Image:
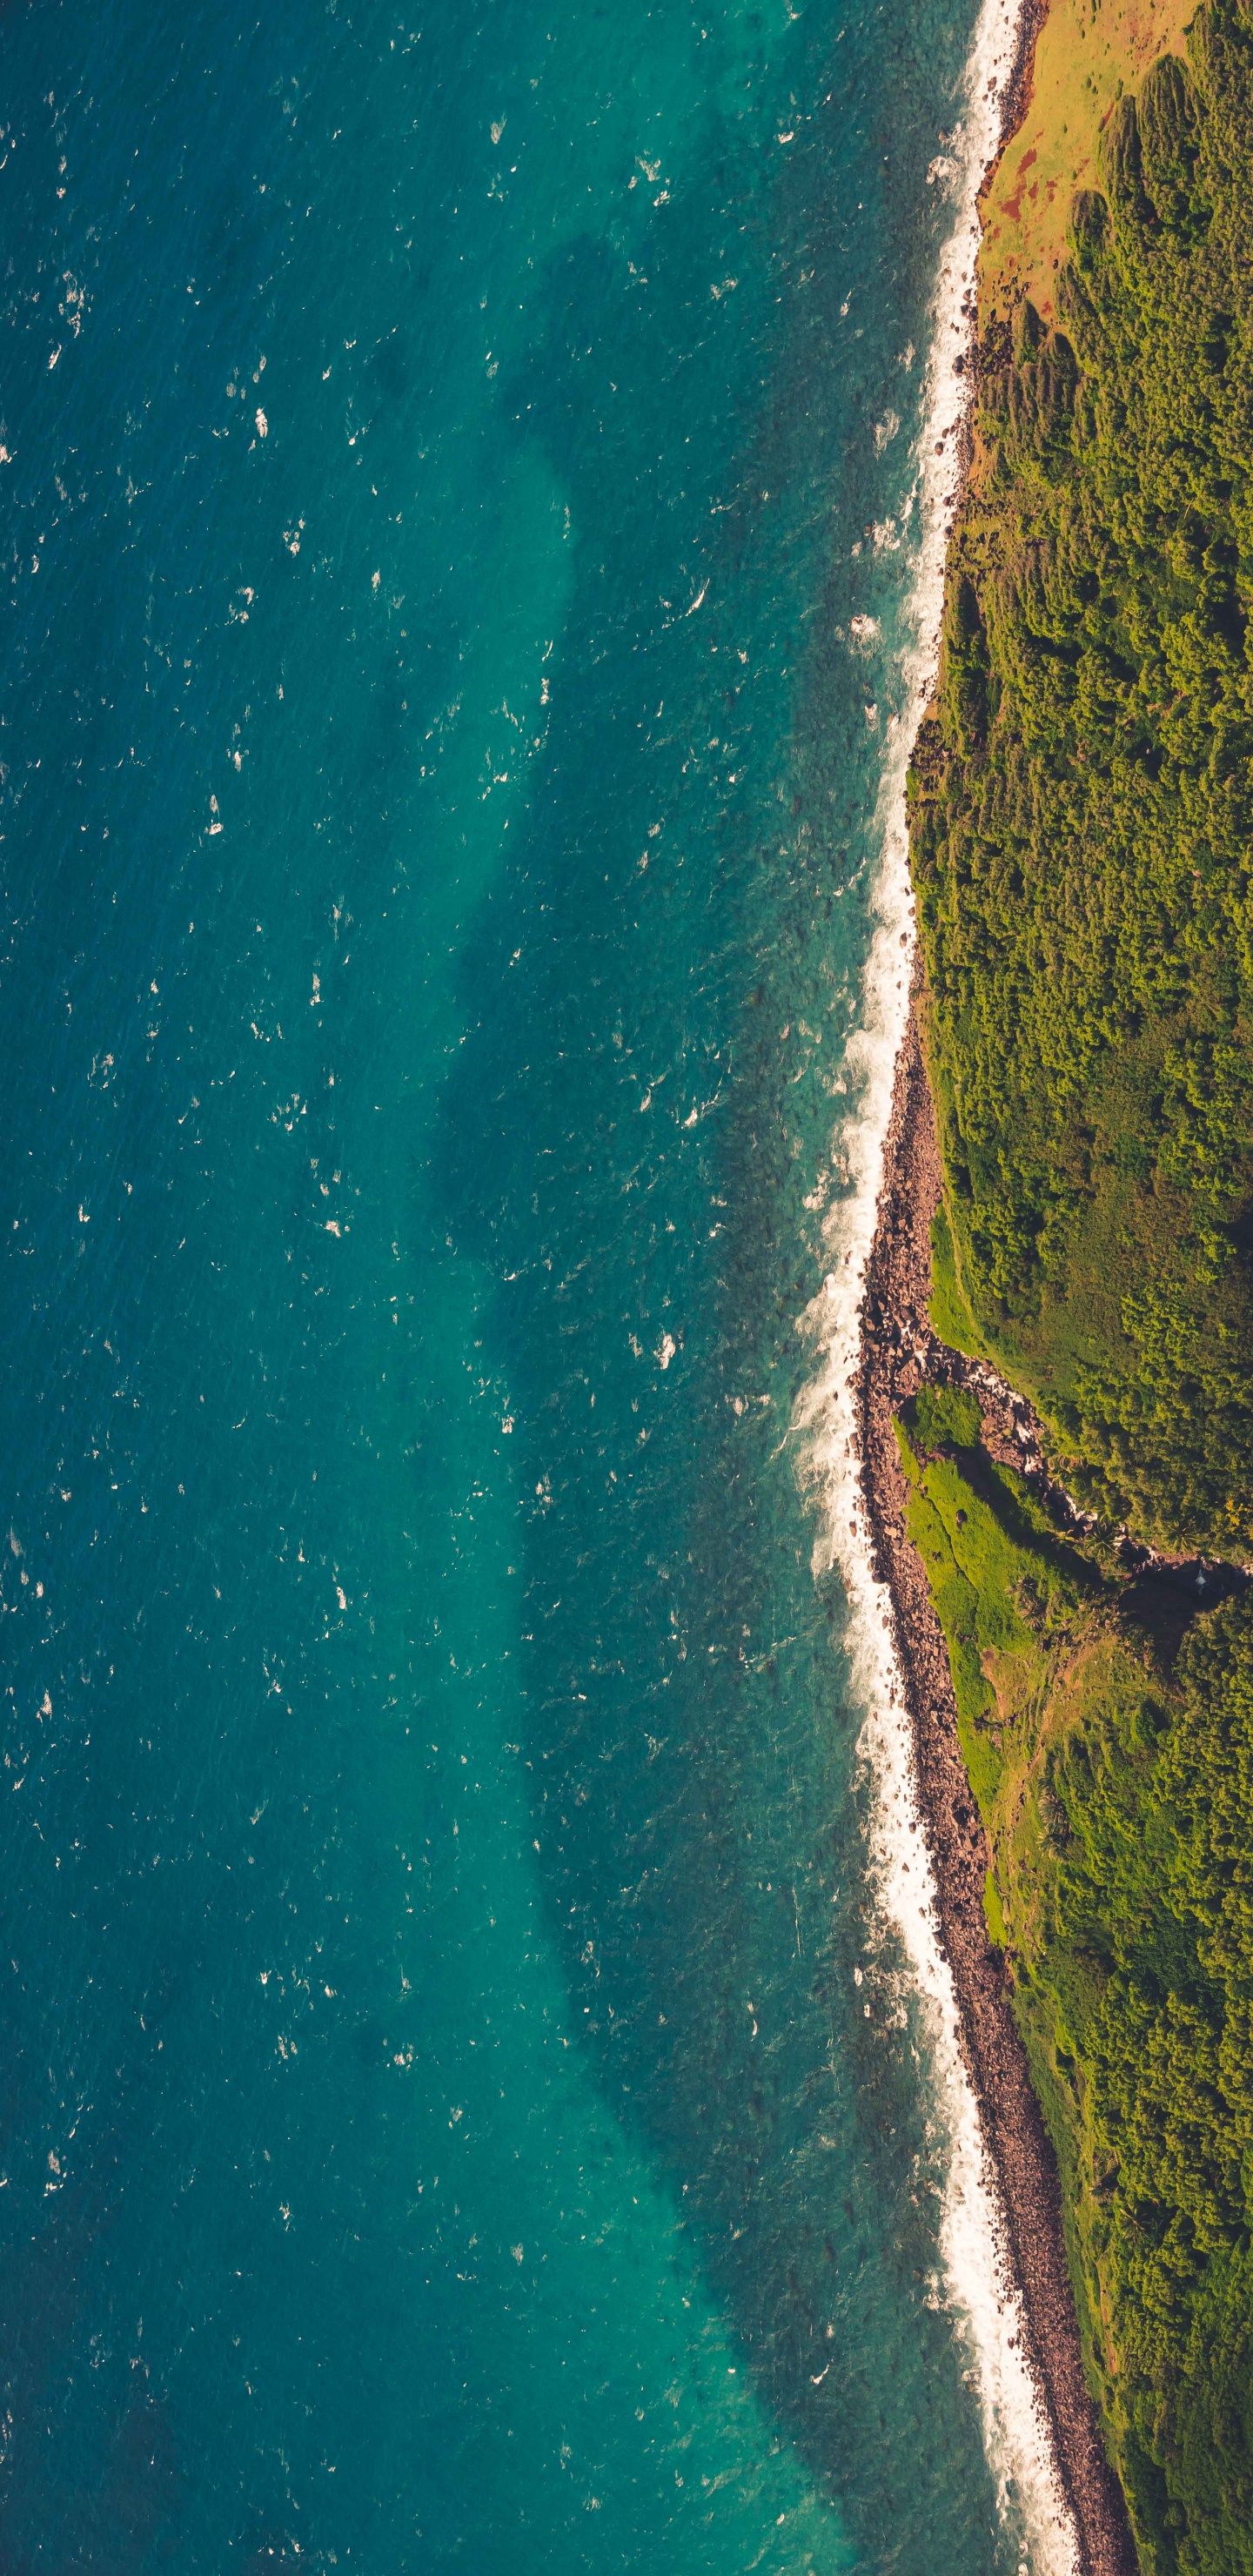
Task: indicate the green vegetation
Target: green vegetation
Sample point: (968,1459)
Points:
(1083,827)
(945,1417)
(950,1312)
(1117,1788)
(1082,842)
(1086,53)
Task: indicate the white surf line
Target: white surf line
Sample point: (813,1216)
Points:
(978,2285)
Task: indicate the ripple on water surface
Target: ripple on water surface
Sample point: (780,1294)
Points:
(459,481)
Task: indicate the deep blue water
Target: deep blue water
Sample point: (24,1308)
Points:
(441,2129)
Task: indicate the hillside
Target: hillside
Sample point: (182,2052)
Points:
(1108,1737)
(1082,847)
(1082,817)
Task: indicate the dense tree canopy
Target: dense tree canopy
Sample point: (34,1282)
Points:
(1082,839)
(1083,823)
(1155,1896)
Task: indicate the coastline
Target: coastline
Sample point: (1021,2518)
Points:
(894,1333)
(1070,1696)
(1019,2398)
(1016,95)
(894,1324)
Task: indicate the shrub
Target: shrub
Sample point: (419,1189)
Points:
(944,1417)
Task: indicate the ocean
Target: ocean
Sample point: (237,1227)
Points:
(468,2099)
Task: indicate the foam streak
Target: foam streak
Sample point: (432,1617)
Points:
(978,2287)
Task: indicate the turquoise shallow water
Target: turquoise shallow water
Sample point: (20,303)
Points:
(441,2126)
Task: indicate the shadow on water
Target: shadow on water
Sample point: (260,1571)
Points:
(631,1142)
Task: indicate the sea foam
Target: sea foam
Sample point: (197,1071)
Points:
(978,2286)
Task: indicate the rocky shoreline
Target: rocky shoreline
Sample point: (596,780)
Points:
(1017,95)
(898,1348)
(897,1342)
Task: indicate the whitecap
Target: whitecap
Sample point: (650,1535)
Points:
(977,2284)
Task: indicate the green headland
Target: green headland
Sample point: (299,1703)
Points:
(1082,841)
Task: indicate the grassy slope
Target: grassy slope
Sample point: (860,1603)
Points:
(950,1307)
(1085,57)
(1094,1765)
